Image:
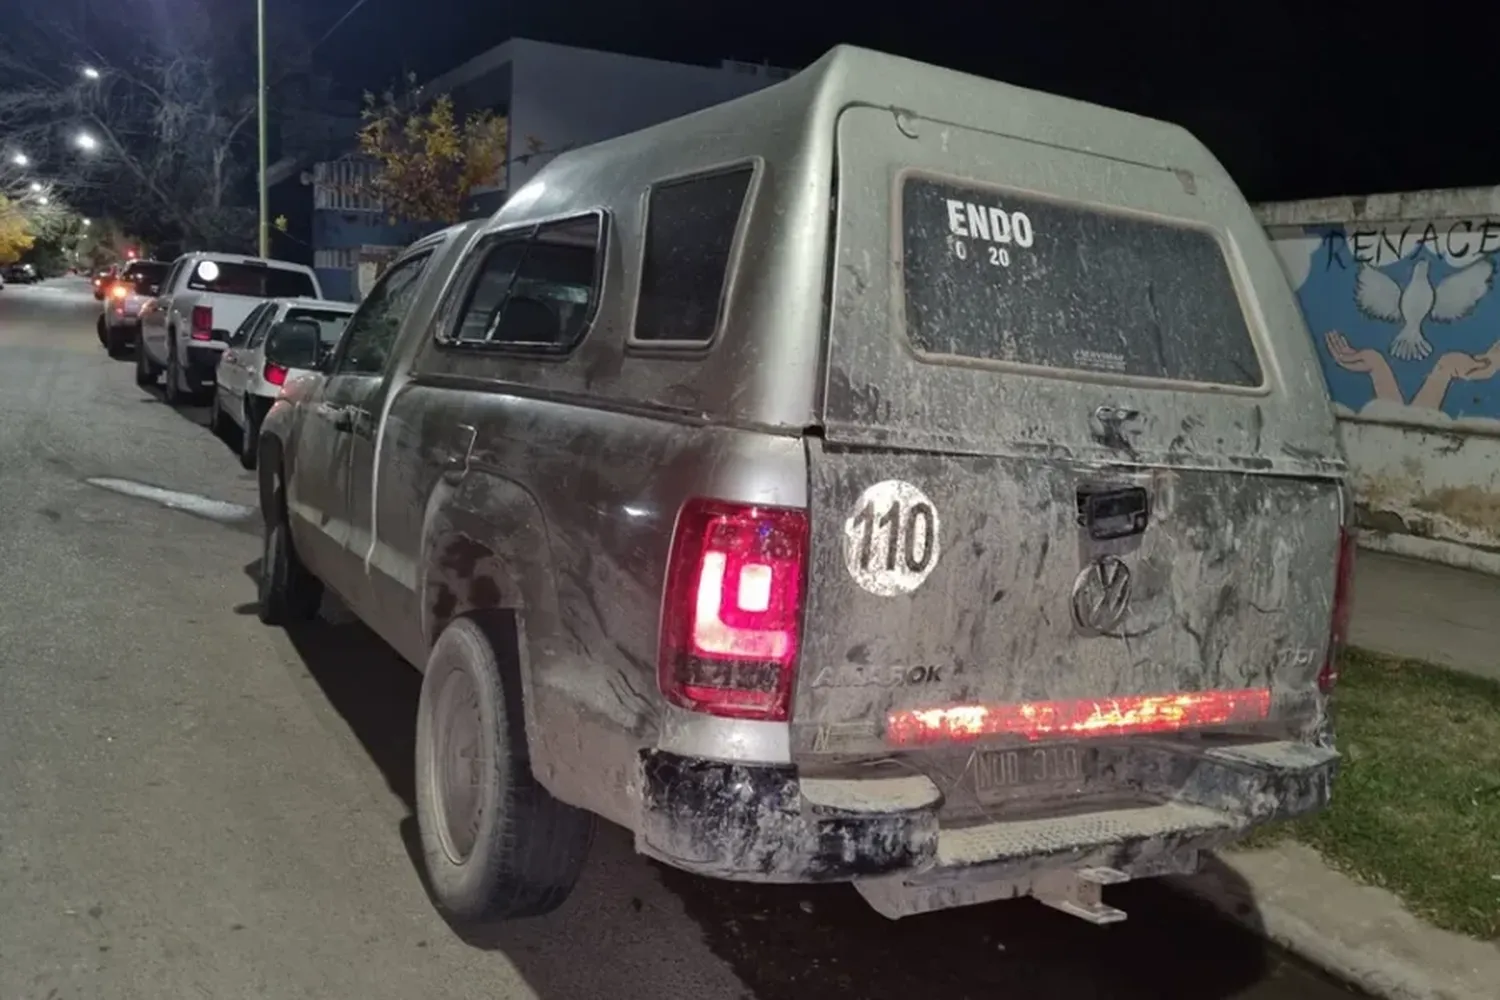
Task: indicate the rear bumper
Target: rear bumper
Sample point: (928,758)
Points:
(203,362)
(763,823)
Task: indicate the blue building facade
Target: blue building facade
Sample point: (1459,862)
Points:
(555,97)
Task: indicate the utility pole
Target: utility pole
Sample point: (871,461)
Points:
(260,110)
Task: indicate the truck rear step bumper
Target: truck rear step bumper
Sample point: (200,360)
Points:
(763,823)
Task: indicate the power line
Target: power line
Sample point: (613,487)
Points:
(337,24)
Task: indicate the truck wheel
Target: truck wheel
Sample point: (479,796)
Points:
(145,374)
(287,591)
(174,374)
(496,844)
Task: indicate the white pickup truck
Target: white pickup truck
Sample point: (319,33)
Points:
(205,296)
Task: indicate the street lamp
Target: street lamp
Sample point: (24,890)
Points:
(88,222)
(20,159)
(260,112)
(90,73)
(86,142)
(43,200)
(35,186)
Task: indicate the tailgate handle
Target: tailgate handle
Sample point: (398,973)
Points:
(1113,511)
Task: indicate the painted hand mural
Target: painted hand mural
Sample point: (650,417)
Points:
(1451,367)
(1406,316)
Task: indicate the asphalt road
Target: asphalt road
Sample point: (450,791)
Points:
(194,805)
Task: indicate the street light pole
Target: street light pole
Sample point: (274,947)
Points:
(260,109)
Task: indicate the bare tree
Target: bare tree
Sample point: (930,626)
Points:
(163,128)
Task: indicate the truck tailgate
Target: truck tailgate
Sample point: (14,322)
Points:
(955,598)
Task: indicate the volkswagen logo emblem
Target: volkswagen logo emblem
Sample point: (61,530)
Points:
(1101,594)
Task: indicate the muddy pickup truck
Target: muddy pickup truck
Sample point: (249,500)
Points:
(891,477)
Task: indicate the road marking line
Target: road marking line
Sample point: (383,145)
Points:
(192,503)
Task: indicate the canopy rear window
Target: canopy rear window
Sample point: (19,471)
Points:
(251,279)
(991,275)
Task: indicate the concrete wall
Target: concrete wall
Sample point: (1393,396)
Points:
(1399,296)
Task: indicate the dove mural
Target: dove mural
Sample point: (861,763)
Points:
(1404,316)
(1450,300)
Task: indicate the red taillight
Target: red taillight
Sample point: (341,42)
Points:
(203,323)
(118,291)
(1087,717)
(732,610)
(1343,609)
(274,374)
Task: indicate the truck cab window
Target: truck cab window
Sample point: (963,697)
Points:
(372,332)
(535,290)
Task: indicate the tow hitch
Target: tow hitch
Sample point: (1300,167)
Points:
(1080,893)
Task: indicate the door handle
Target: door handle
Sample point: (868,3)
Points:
(457,465)
(342,417)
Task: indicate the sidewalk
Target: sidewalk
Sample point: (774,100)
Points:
(1359,933)
(1425,611)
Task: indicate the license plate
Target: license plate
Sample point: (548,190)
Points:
(1001,773)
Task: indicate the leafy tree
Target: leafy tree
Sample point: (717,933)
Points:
(427,162)
(15,232)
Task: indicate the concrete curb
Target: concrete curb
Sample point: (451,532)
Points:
(1360,934)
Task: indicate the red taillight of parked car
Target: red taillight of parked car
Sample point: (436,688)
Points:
(274,374)
(203,323)
(732,609)
(1343,608)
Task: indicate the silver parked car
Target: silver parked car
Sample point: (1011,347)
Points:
(891,476)
(245,383)
(119,322)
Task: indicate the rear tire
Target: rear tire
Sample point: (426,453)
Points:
(287,591)
(216,417)
(250,432)
(174,392)
(495,843)
(145,373)
(103,332)
(114,342)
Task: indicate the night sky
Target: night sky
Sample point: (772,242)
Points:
(1298,99)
